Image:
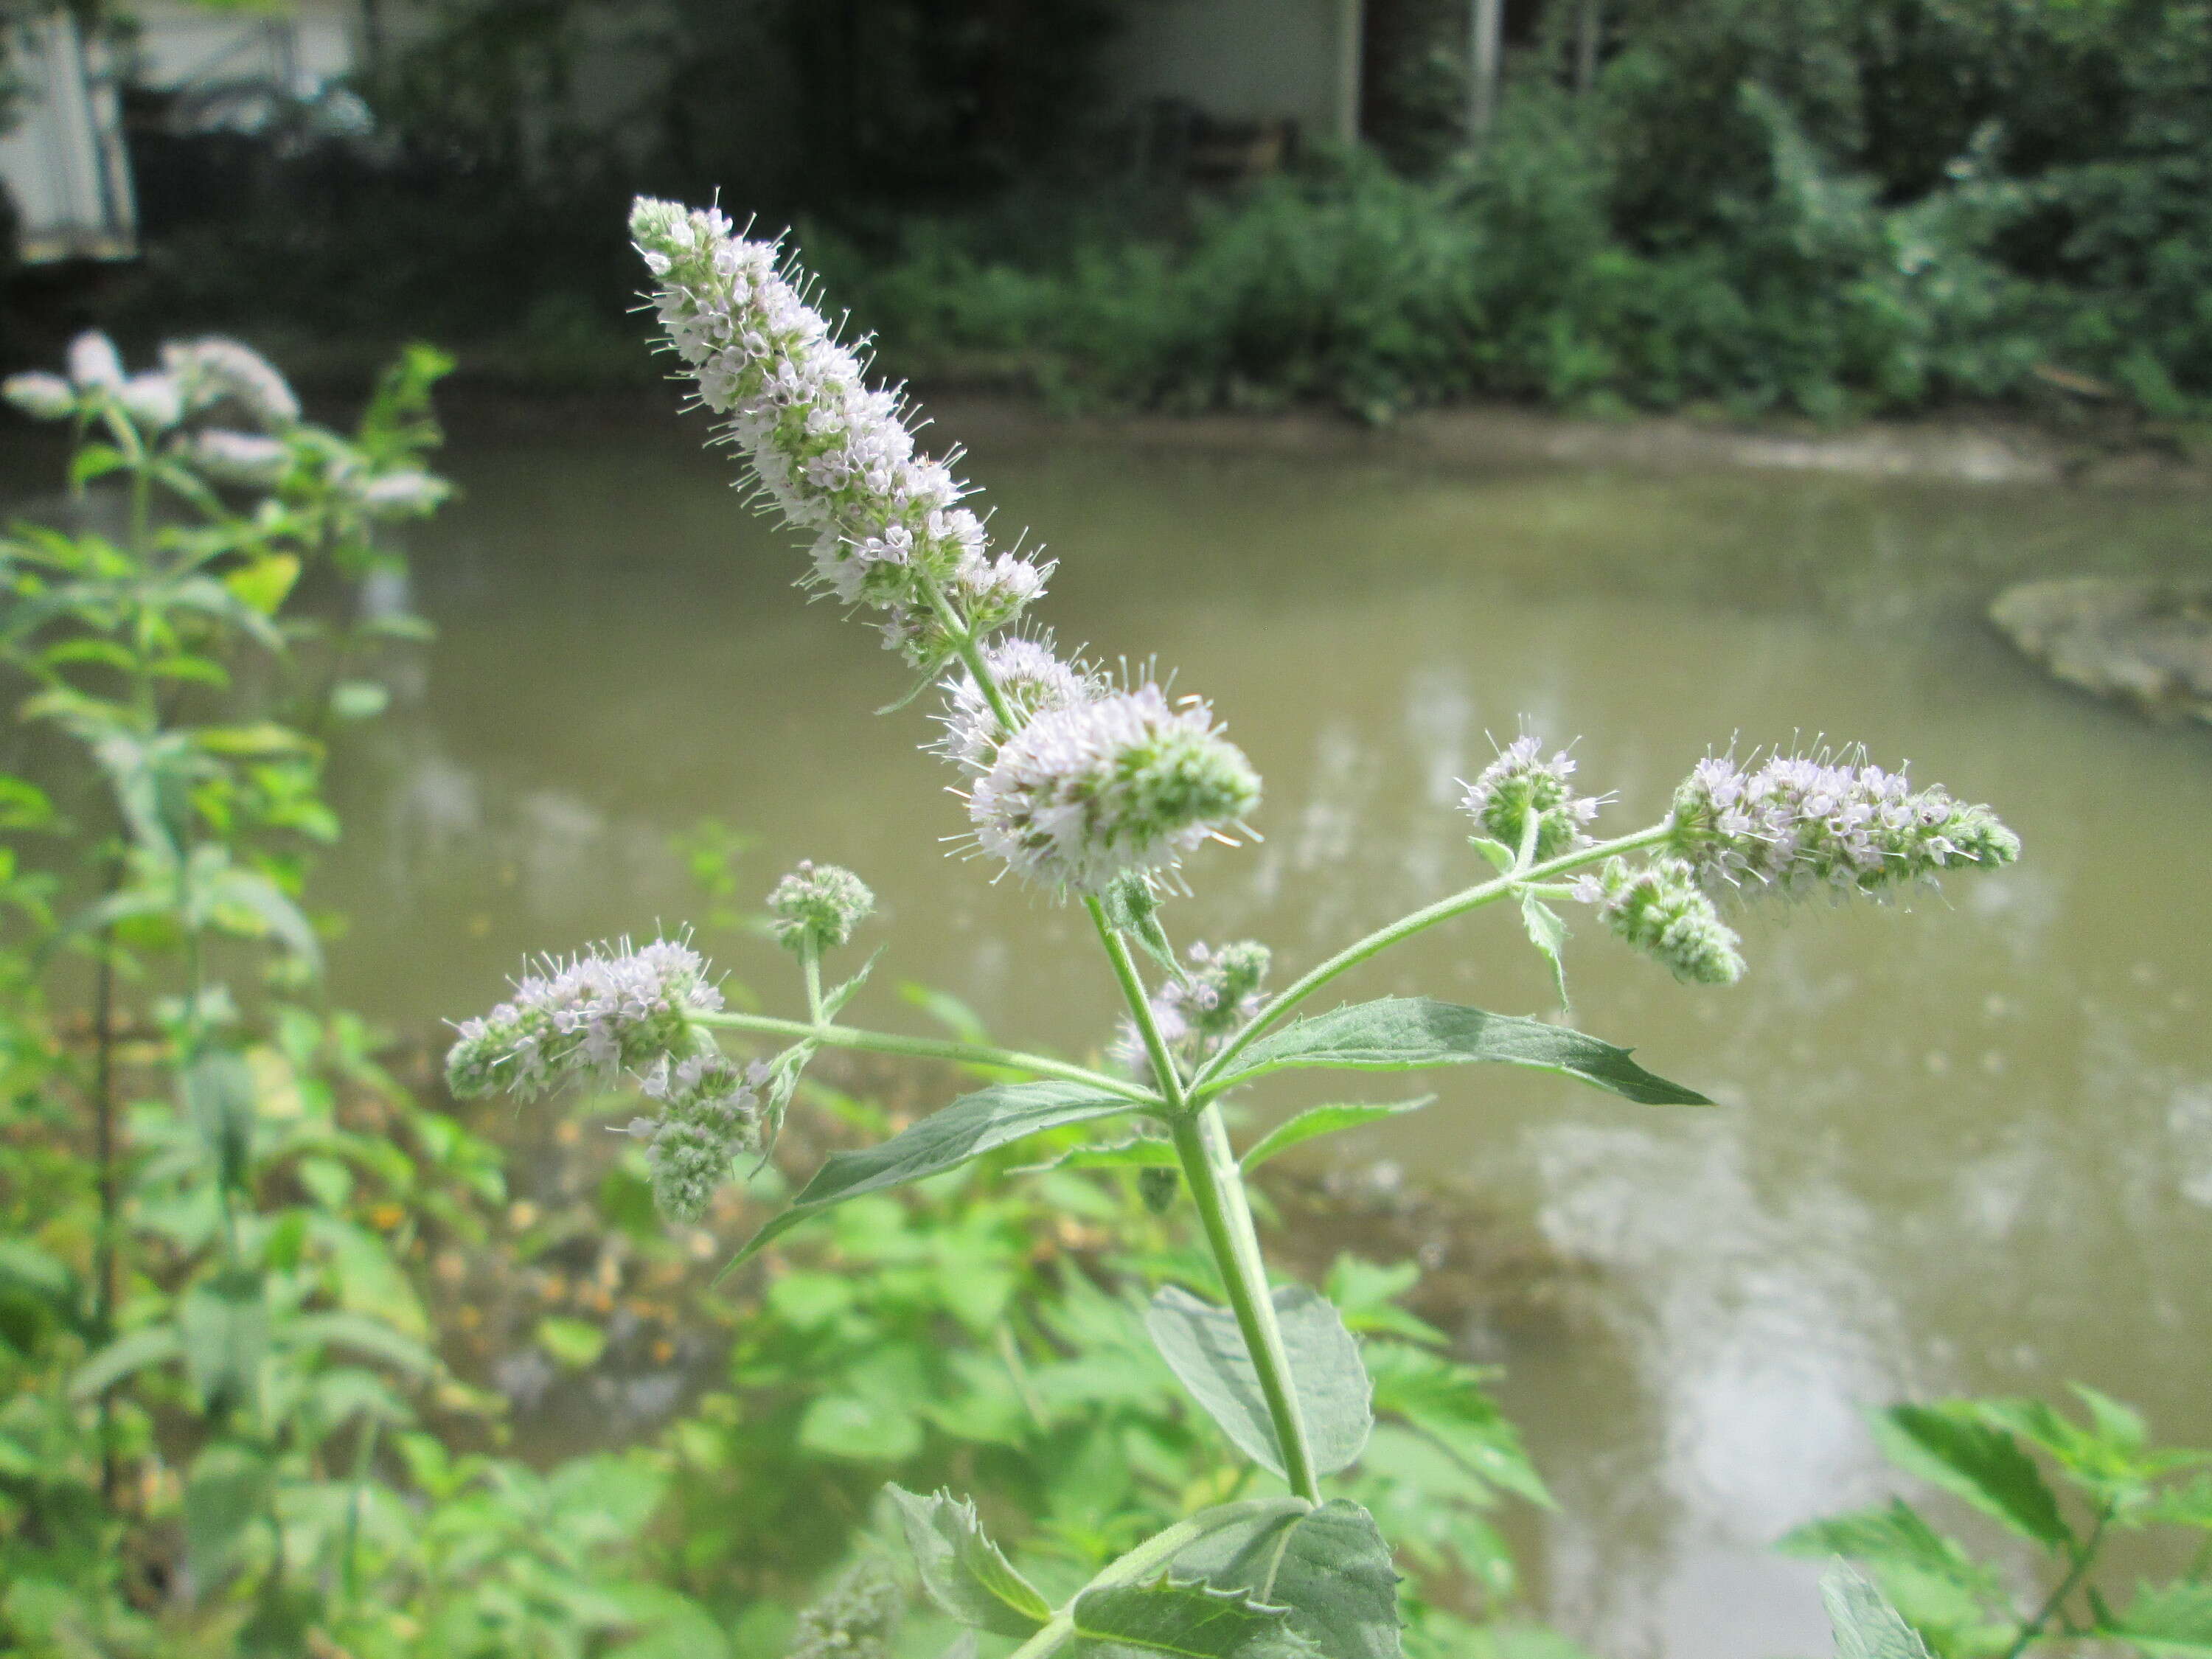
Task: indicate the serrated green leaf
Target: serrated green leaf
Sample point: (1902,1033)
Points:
(2168,1619)
(1187,1621)
(1397,1034)
(969,1127)
(223,1324)
(962,1570)
(229,1490)
(1895,1536)
(131,1352)
(1204,1348)
(1320,1121)
(1866,1625)
(1330,1566)
(1549,935)
(1974,1461)
(1137,1152)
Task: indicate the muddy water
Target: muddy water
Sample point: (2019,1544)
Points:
(1964,1146)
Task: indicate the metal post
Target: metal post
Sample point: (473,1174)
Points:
(1351,31)
(1589,29)
(1486,25)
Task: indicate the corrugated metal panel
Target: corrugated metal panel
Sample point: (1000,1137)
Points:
(63,162)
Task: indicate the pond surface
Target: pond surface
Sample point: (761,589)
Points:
(1962,1147)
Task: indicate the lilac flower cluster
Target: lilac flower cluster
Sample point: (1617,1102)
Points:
(1798,824)
(1520,784)
(1121,785)
(818,906)
(832,455)
(604,1013)
(709,1112)
(1660,909)
(1196,1013)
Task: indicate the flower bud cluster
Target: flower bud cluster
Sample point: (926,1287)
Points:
(1198,1013)
(1031,680)
(1660,909)
(855,1619)
(1800,825)
(709,1113)
(96,380)
(1119,786)
(604,1013)
(832,455)
(818,906)
(1520,784)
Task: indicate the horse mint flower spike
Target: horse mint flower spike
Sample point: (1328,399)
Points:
(591,1020)
(818,906)
(710,1111)
(94,363)
(213,369)
(832,456)
(1521,783)
(1660,910)
(1798,824)
(1118,787)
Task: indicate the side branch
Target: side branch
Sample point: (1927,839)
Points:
(966,1054)
(1404,928)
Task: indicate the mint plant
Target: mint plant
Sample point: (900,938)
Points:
(1095,791)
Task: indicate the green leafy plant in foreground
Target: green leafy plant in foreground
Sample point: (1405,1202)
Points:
(214,1357)
(1096,792)
(2068,1486)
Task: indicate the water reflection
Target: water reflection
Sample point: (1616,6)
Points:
(1970,1148)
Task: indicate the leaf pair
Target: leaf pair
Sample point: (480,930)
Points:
(1266,1579)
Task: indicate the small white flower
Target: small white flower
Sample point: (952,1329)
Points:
(94,363)
(245,458)
(154,402)
(213,369)
(42,397)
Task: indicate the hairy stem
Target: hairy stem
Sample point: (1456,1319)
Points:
(1217,1186)
(1457,904)
(966,1054)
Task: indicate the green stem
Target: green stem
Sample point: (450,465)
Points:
(1404,928)
(2083,1559)
(963,643)
(966,1054)
(1155,1551)
(1217,1186)
(809,960)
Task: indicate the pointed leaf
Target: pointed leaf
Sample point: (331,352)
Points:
(963,1571)
(131,1352)
(1499,854)
(1893,1537)
(1976,1462)
(1187,1621)
(1549,935)
(2171,1619)
(834,1001)
(1204,1347)
(1323,1120)
(1137,1152)
(1866,1625)
(1330,1566)
(1398,1034)
(969,1127)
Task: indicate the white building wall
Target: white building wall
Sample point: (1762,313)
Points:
(62,163)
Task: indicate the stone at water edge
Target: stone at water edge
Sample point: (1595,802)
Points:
(2145,642)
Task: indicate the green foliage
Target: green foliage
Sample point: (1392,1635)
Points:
(214,1343)
(1394,1034)
(1984,1454)
(1206,1350)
